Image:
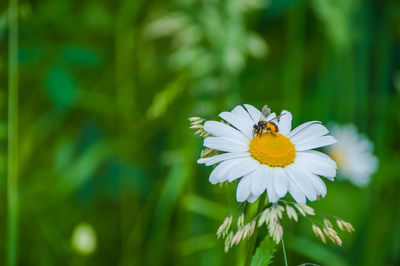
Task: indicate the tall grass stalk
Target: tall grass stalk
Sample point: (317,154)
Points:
(253,240)
(284,252)
(12,176)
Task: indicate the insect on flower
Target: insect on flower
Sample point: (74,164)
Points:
(266,126)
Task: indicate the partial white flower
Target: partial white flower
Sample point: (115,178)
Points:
(353,154)
(276,163)
(84,239)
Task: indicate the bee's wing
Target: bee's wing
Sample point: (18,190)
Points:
(266,111)
(276,117)
(262,117)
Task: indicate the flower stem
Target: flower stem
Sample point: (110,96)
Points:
(12,171)
(252,244)
(284,252)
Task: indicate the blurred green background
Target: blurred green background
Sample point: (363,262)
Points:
(106,88)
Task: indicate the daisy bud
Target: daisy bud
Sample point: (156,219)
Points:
(291,213)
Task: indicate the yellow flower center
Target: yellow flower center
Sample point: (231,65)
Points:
(338,157)
(274,150)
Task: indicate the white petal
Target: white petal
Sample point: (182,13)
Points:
(309,133)
(316,143)
(222,157)
(259,181)
(225,144)
(246,166)
(254,113)
(315,167)
(243,189)
(285,123)
(221,170)
(299,128)
(270,117)
(302,182)
(280,181)
(272,196)
(296,193)
(240,111)
(252,198)
(317,157)
(219,129)
(317,183)
(241,123)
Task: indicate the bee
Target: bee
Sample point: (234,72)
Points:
(266,126)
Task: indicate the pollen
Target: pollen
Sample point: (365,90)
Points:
(274,150)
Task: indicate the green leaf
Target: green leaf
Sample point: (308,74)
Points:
(62,88)
(264,253)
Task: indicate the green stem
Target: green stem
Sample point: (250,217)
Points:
(284,252)
(252,244)
(12,176)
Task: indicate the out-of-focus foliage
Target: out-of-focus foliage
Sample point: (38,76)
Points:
(105,91)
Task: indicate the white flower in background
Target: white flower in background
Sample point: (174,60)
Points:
(84,239)
(274,162)
(353,154)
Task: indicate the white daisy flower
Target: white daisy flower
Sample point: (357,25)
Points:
(353,154)
(273,162)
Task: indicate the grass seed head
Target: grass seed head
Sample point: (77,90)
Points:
(318,232)
(304,209)
(348,226)
(327,223)
(194,119)
(291,213)
(240,220)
